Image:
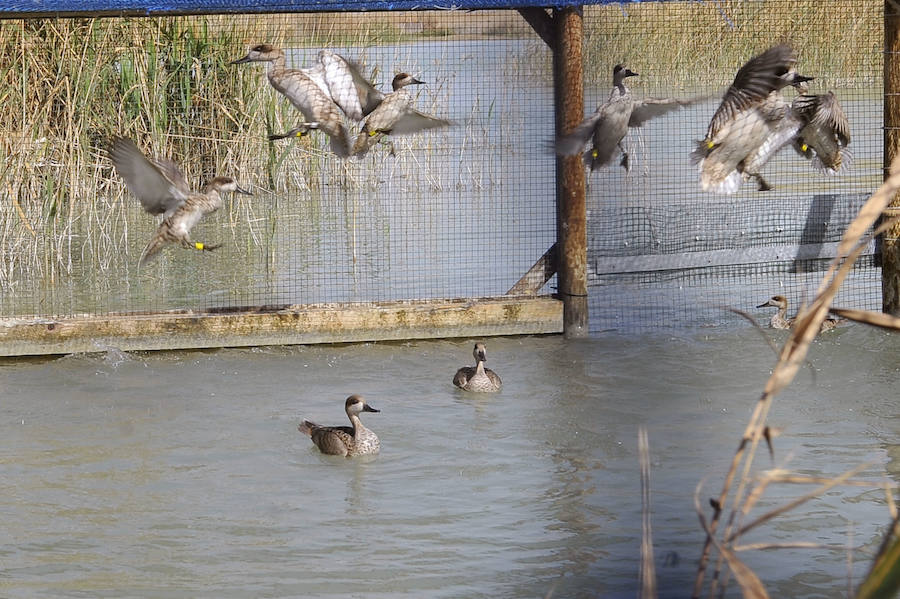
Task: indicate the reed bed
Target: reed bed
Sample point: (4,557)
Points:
(68,85)
(702,44)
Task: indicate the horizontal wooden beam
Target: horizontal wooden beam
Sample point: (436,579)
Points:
(282,325)
(610,265)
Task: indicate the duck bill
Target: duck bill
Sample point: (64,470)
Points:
(241,60)
(416,82)
(240,189)
(764,305)
(368,408)
(630,73)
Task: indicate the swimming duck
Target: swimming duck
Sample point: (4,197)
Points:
(308,90)
(780,320)
(344,440)
(477,378)
(162,189)
(750,111)
(610,122)
(395,116)
(826,132)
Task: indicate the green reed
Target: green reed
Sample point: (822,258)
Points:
(68,86)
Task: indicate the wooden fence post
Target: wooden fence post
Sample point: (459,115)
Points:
(890,241)
(570,197)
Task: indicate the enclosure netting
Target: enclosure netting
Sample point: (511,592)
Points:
(461,211)
(665,253)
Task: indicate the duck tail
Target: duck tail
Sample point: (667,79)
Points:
(152,249)
(700,151)
(841,160)
(713,177)
(340,143)
(727,186)
(364,141)
(306,427)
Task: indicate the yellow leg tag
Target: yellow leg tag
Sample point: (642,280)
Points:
(198,245)
(373,133)
(804,147)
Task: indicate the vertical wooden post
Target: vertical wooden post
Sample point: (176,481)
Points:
(571,213)
(890,242)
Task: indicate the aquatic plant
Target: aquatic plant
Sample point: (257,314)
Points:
(741,491)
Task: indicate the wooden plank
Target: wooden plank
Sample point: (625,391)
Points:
(607,265)
(282,325)
(541,21)
(538,275)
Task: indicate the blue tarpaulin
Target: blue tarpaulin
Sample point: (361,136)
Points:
(26,8)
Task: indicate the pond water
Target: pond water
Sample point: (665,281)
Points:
(182,474)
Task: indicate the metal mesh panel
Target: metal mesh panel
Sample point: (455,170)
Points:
(456,212)
(462,211)
(665,253)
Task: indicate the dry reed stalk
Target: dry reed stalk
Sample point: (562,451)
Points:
(647,579)
(807,325)
(877,319)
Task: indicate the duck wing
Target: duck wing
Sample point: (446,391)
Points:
(356,96)
(307,95)
(412,121)
(495,378)
(463,375)
(824,111)
(753,83)
(158,184)
(331,440)
(648,108)
(573,142)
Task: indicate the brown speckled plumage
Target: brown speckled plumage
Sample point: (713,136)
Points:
(162,189)
(609,124)
(477,378)
(780,320)
(752,110)
(344,440)
(395,115)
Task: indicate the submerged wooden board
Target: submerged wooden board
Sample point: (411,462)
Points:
(282,325)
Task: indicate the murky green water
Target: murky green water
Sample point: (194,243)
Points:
(183,474)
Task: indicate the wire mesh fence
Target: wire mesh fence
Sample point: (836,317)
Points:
(665,253)
(461,211)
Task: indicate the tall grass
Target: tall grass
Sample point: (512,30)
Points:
(69,85)
(703,43)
